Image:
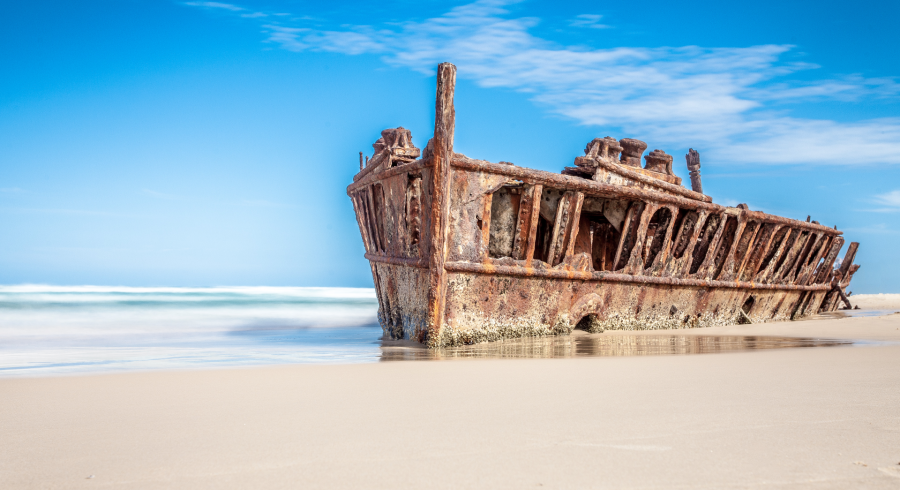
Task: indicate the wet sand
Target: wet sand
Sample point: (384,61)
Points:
(820,417)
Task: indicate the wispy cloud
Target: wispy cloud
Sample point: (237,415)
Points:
(216,5)
(729,102)
(877,229)
(889,198)
(890,201)
(229,7)
(591,21)
(11,190)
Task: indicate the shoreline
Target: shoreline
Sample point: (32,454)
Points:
(796,418)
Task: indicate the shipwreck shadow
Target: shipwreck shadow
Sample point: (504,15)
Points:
(600,345)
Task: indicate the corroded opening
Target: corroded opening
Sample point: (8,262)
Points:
(744,316)
(725,244)
(773,248)
(589,323)
(542,239)
(599,231)
(684,228)
(787,249)
(630,234)
(378,211)
(803,257)
(744,243)
(546,226)
(706,235)
(756,254)
(656,235)
(504,216)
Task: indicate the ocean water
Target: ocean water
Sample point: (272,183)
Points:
(51,330)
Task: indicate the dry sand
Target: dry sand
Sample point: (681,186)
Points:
(876,301)
(824,417)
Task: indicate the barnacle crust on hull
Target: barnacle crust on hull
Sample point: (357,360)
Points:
(464,251)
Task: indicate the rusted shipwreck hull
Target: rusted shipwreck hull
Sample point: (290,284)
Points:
(466,251)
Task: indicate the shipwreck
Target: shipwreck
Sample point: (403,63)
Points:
(465,251)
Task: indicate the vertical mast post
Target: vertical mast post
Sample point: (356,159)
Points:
(444,124)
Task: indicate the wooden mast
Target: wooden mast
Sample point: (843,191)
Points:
(442,144)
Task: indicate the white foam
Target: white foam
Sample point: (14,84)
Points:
(65,328)
(307,292)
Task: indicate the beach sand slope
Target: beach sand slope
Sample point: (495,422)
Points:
(819,418)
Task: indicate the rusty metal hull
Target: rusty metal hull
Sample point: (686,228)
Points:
(465,251)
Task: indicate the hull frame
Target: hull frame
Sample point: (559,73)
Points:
(465,251)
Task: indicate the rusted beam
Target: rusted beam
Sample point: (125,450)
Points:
(721,272)
(363,233)
(823,274)
(848,262)
(783,273)
(808,269)
(369,169)
(640,177)
(562,273)
(693,165)
(708,264)
(574,221)
(623,251)
(635,260)
(783,247)
(591,188)
(486,224)
(523,221)
(846,281)
(751,244)
(559,228)
(688,255)
(665,249)
(401,169)
(405,261)
(566,219)
(813,243)
(372,218)
(444,125)
(758,251)
(532,226)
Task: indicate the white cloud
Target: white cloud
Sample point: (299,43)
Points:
(889,199)
(878,229)
(728,102)
(216,5)
(591,21)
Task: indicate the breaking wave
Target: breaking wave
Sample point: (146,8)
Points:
(63,329)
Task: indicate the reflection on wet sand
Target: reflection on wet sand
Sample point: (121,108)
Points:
(600,345)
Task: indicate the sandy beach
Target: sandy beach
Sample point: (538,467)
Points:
(822,417)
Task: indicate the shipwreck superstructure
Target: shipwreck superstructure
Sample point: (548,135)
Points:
(465,251)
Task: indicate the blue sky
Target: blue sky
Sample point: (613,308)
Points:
(210,143)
